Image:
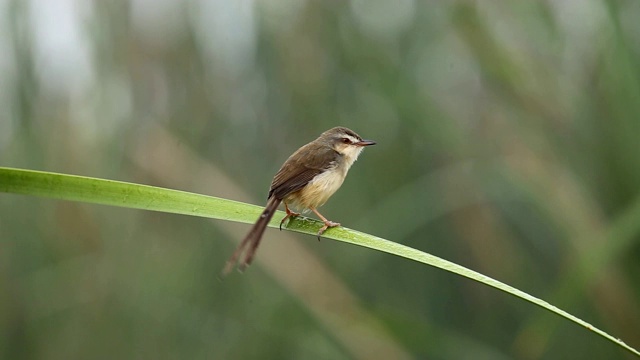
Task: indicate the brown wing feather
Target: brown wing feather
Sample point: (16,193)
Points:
(301,167)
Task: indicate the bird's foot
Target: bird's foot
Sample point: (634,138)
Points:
(327,224)
(290,214)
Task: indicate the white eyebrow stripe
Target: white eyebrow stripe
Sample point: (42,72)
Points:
(352,138)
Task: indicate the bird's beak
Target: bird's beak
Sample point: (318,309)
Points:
(366,143)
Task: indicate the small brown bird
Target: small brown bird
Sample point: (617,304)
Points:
(305,181)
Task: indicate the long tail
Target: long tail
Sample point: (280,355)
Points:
(253,238)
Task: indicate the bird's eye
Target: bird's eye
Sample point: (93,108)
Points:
(346,140)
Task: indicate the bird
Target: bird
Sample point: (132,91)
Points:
(306,180)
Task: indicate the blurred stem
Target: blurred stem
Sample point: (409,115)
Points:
(129,195)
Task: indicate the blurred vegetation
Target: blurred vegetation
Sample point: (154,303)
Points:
(507,142)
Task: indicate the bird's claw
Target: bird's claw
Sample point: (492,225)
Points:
(290,214)
(327,224)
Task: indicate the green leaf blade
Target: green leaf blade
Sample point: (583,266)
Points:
(145,197)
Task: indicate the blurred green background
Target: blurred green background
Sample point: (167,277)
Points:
(508,142)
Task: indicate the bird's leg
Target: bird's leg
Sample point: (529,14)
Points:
(327,223)
(290,214)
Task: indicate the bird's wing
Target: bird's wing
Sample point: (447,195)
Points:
(299,169)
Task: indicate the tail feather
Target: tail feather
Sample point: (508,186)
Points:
(253,238)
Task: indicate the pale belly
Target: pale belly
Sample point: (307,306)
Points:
(317,192)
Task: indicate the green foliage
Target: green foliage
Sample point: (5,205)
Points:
(507,142)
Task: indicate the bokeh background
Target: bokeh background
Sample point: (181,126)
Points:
(508,142)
